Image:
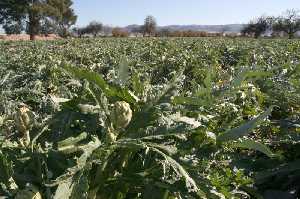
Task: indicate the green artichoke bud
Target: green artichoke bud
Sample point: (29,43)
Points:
(30,192)
(24,120)
(111,137)
(121,115)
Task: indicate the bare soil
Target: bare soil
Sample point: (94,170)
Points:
(25,37)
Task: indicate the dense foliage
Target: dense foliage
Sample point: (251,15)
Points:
(288,24)
(150,118)
(37,16)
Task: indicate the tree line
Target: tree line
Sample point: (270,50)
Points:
(96,28)
(288,24)
(57,17)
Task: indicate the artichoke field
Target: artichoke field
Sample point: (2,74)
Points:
(150,118)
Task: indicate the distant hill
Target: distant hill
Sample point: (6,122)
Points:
(234,28)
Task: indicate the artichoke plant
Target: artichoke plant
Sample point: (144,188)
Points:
(24,120)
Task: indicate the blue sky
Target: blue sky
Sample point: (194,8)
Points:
(168,12)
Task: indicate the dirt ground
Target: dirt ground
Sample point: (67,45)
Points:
(25,37)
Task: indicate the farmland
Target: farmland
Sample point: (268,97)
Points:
(150,118)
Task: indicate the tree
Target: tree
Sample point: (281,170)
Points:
(47,27)
(13,27)
(165,32)
(107,30)
(137,30)
(149,27)
(31,12)
(79,31)
(257,27)
(94,28)
(62,15)
(289,23)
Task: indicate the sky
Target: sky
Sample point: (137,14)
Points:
(179,12)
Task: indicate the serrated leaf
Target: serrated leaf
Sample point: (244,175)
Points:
(72,140)
(89,76)
(208,80)
(194,101)
(250,144)
(137,85)
(123,72)
(282,170)
(244,129)
(6,170)
(75,187)
(64,190)
(95,78)
(179,170)
(87,150)
(247,73)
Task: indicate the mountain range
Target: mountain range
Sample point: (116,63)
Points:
(233,28)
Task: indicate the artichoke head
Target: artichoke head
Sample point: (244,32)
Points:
(24,119)
(121,115)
